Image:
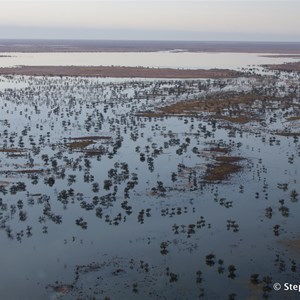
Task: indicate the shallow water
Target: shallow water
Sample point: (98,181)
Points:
(163,59)
(154,229)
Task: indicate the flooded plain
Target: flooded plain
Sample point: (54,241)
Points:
(159,59)
(110,190)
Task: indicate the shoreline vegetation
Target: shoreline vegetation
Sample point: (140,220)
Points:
(117,71)
(286,67)
(139,71)
(296,56)
(266,49)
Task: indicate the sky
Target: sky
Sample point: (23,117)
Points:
(152,20)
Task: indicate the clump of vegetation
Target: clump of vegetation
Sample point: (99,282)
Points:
(80,144)
(222,169)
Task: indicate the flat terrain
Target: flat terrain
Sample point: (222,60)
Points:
(144,46)
(152,189)
(112,71)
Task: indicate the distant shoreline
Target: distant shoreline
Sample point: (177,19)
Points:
(33,46)
(286,67)
(120,72)
(295,56)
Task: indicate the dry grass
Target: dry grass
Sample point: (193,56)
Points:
(223,167)
(216,105)
(94,152)
(93,138)
(19,151)
(81,144)
(229,159)
(288,67)
(30,171)
(283,133)
(220,171)
(294,118)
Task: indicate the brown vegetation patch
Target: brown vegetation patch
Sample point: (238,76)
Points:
(283,133)
(79,144)
(294,118)
(223,167)
(230,159)
(220,171)
(91,138)
(116,71)
(20,151)
(217,105)
(281,56)
(94,152)
(292,244)
(288,67)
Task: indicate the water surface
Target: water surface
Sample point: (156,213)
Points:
(161,59)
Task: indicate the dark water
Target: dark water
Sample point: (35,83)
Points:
(129,215)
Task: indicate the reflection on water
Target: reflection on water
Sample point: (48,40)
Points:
(99,203)
(199,60)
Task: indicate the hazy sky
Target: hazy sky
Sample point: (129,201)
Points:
(172,20)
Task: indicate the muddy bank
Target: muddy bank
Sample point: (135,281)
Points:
(114,71)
